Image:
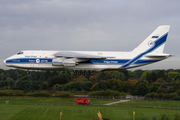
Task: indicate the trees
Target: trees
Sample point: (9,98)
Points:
(147,76)
(114,80)
(132,75)
(102,85)
(174,75)
(115,85)
(161,74)
(118,76)
(154,88)
(58,80)
(9,82)
(141,87)
(87,85)
(100,76)
(80,78)
(47,74)
(66,75)
(42,78)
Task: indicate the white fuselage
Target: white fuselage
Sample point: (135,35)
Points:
(43,60)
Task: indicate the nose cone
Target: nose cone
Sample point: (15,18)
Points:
(5,62)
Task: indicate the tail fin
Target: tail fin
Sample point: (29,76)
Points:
(155,42)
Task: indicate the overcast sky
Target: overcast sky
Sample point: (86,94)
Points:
(96,25)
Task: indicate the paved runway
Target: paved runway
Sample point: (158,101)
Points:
(117,102)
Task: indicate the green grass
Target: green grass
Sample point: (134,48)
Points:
(77,112)
(44,100)
(170,104)
(50,108)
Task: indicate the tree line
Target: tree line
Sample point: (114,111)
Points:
(138,82)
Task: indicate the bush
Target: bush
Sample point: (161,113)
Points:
(162,90)
(166,96)
(55,87)
(3,93)
(171,90)
(87,85)
(58,80)
(176,98)
(44,86)
(67,87)
(144,118)
(38,94)
(152,95)
(75,86)
(106,93)
(11,93)
(6,93)
(178,92)
(154,118)
(172,95)
(29,85)
(2,84)
(177,116)
(63,94)
(58,87)
(95,87)
(164,117)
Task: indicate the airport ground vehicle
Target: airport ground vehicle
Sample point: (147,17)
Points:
(82,101)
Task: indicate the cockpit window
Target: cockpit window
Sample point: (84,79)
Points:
(19,53)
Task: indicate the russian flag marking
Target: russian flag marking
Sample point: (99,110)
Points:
(154,36)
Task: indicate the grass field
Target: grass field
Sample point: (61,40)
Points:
(20,110)
(169,104)
(77,112)
(38,100)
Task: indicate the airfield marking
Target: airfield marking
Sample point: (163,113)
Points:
(117,102)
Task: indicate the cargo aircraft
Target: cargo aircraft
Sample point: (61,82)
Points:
(85,62)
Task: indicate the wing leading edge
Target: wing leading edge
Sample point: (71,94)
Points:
(79,55)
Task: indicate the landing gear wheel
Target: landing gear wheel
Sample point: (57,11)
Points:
(28,72)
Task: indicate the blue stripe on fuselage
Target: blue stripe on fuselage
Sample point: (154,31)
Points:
(29,60)
(97,62)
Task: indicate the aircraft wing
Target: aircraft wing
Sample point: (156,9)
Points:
(79,55)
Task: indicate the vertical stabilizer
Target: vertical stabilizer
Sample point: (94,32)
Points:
(155,42)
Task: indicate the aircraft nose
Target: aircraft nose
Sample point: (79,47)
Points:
(5,62)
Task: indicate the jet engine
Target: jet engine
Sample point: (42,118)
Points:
(63,62)
(57,62)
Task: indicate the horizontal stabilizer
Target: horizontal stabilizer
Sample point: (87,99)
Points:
(158,55)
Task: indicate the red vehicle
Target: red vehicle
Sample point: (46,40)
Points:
(82,101)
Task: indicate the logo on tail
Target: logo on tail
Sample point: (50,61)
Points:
(151,43)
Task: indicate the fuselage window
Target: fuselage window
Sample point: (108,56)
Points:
(19,53)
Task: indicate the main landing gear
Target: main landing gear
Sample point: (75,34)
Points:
(76,72)
(28,72)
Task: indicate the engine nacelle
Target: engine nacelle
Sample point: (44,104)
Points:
(63,62)
(57,62)
(69,63)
